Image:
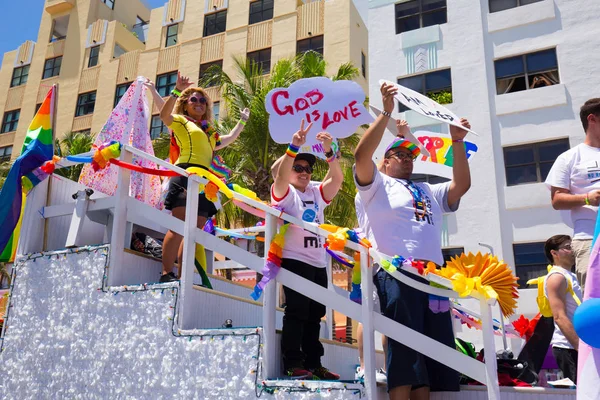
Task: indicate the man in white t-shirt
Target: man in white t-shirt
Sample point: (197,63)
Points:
(563,304)
(402,218)
(303,252)
(574,181)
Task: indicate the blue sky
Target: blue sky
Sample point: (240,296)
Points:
(14,31)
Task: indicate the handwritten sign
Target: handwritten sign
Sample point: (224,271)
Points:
(424,105)
(391,127)
(333,107)
(440,159)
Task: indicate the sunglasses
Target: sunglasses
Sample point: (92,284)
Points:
(300,168)
(195,99)
(402,156)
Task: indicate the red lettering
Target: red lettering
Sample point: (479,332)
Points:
(433,145)
(326,121)
(314,96)
(316,114)
(344,112)
(353,110)
(308,121)
(301,104)
(287,109)
(337,117)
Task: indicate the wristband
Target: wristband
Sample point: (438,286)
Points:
(292,150)
(387,114)
(242,122)
(587,199)
(329,153)
(331,159)
(457,141)
(175,92)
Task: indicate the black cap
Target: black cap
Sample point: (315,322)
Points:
(309,158)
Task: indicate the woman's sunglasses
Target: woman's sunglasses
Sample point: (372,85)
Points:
(299,169)
(195,99)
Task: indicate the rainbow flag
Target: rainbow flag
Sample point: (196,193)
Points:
(588,363)
(37,149)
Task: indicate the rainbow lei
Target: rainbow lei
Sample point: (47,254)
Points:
(104,153)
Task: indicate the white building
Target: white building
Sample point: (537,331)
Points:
(519,70)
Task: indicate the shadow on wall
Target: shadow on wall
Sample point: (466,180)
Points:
(530,31)
(540,116)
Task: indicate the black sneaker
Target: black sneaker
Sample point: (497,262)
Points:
(170,277)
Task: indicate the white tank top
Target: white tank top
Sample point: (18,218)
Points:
(558,339)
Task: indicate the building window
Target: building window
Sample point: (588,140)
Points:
(436,85)
(216,109)
(5,153)
(312,43)
(120,92)
(109,3)
(204,68)
(431,179)
(215,23)
(60,26)
(52,67)
(363,64)
(171,38)
(531,162)
(165,83)
(500,5)
(528,71)
(157,127)
(260,10)
(452,252)
(418,14)
(118,51)
(262,58)
(530,261)
(19,76)
(85,104)
(10,121)
(94,54)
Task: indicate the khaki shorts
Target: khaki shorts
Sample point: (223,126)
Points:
(581,249)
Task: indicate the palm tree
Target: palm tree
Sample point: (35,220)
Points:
(250,157)
(4,169)
(73,143)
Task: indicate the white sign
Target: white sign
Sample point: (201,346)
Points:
(424,105)
(391,126)
(335,107)
(440,159)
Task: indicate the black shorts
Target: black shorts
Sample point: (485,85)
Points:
(177,193)
(410,307)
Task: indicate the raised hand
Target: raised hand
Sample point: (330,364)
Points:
(402,128)
(299,137)
(149,84)
(245,114)
(183,82)
(388,92)
(458,133)
(326,139)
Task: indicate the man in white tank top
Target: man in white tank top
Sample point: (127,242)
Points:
(565,341)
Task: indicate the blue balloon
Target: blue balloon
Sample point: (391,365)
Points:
(586,322)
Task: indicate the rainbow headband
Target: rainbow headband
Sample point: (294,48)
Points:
(407,144)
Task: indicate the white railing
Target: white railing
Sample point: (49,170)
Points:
(127,210)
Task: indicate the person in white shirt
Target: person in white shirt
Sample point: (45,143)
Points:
(303,252)
(574,181)
(563,304)
(402,218)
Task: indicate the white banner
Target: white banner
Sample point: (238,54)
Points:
(440,159)
(333,107)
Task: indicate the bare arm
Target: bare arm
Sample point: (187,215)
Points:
(226,140)
(363,153)
(282,179)
(335,177)
(166,112)
(556,286)
(276,165)
(159,102)
(563,199)
(461,174)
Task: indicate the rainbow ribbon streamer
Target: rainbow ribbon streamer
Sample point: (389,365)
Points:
(273,262)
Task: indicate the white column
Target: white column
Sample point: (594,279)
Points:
(491,367)
(78,217)
(367,321)
(329,316)
(269,304)
(117,237)
(189,250)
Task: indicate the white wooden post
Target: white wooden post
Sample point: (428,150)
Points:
(117,237)
(491,366)
(366,287)
(269,304)
(210,262)
(189,250)
(329,316)
(78,217)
